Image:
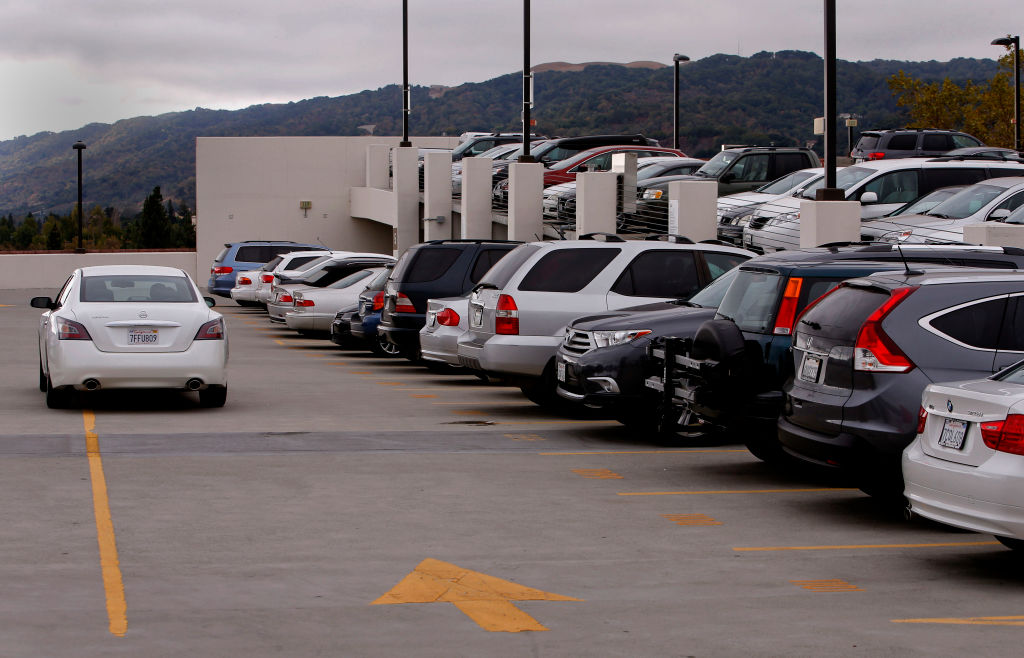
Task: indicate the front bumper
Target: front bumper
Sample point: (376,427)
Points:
(604,377)
(76,361)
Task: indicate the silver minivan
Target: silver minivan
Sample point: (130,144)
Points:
(519,310)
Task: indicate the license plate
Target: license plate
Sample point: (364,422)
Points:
(560,371)
(953,433)
(811,368)
(478,316)
(143,336)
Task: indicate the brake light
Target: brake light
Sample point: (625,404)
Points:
(244,281)
(922,416)
(266,278)
(304,302)
(877,155)
(403,304)
(212,330)
(506,316)
(1005,435)
(787,309)
(875,351)
(378,301)
(448,318)
(285,298)
(71,330)
(222,269)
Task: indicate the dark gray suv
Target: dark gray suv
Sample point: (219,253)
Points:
(863,354)
(925,142)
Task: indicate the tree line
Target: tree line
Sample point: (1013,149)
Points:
(158,226)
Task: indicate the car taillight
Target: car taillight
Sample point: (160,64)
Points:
(212,330)
(244,281)
(304,302)
(877,155)
(448,318)
(506,316)
(1005,435)
(875,351)
(403,304)
(266,278)
(222,269)
(787,308)
(285,299)
(378,301)
(71,330)
(922,416)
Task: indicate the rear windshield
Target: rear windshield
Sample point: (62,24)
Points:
(840,315)
(380,280)
(425,264)
(751,300)
(272,264)
(867,141)
(255,254)
(567,270)
(499,275)
(298,262)
(351,279)
(485,261)
(221,255)
(136,288)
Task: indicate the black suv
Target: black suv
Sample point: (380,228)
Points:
(440,268)
(863,355)
(925,142)
(728,373)
(744,168)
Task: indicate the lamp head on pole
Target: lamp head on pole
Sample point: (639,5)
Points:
(680,58)
(1006,41)
(78,146)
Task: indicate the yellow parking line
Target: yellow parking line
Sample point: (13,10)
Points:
(731,491)
(110,567)
(1013,620)
(638,452)
(859,546)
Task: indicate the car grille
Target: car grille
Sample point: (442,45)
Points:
(577,342)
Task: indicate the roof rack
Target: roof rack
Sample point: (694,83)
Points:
(671,237)
(608,237)
(471,241)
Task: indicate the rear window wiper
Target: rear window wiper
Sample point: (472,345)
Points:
(685,302)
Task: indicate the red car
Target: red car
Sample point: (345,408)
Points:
(599,159)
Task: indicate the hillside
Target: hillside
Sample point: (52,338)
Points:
(765,98)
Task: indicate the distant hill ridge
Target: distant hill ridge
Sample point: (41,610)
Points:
(761,99)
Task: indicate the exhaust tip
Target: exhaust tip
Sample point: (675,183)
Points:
(194,384)
(91,384)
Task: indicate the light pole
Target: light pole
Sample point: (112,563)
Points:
(527,85)
(1015,42)
(675,100)
(79,146)
(406,100)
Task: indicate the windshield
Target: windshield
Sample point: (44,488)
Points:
(966,202)
(1016,217)
(717,164)
(751,300)
(310,264)
(927,202)
(711,295)
(845,179)
(569,163)
(351,279)
(786,183)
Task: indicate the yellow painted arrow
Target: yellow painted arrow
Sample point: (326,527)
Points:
(484,599)
(1016,620)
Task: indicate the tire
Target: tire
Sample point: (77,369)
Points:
(213,396)
(381,346)
(1011,543)
(542,391)
(57,398)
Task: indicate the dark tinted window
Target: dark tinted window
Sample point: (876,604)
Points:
(499,275)
(751,167)
(136,288)
(894,187)
(299,261)
(964,141)
(867,141)
(936,143)
(752,299)
(787,162)
(669,273)
(976,325)
(935,178)
(567,270)
(257,253)
(272,263)
(841,314)
(905,142)
(1012,336)
(484,262)
(719,264)
(428,264)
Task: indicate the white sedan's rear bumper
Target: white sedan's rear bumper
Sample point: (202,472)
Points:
(73,362)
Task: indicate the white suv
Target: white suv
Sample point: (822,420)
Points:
(519,310)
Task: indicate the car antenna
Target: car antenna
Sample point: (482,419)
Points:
(903,257)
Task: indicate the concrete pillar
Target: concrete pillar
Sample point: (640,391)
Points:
(692,209)
(595,202)
(437,195)
(822,222)
(525,196)
(377,173)
(476,198)
(625,165)
(995,234)
(407,197)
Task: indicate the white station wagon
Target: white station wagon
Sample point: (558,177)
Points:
(131,326)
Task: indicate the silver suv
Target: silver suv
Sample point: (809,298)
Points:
(519,310)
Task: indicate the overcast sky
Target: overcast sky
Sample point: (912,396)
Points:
(66,63)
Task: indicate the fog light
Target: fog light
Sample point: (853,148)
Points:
(607,384)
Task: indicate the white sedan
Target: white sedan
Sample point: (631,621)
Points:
(313,309)
(131,326)
(966,466)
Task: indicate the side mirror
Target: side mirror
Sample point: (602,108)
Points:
(869,197)
(999,215)
(210,301)
(42,302)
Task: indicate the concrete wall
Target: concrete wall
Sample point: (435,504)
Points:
(21,271)
(249,188)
